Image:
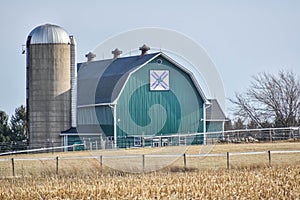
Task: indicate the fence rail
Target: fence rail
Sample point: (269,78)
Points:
(178,139)
(142,158)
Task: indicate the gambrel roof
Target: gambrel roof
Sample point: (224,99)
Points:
(101,82)
(214,111)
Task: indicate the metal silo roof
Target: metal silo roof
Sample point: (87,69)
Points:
(49,34)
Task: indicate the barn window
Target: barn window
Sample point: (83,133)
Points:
(159,61)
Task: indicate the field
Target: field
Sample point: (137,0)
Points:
(249,177)
(260,183)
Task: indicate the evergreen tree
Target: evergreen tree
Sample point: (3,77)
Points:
(4,127)
(18,124)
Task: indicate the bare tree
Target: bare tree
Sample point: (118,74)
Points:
(271,99)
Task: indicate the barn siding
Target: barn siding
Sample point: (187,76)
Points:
(99,115)
(214,126)
(144,112)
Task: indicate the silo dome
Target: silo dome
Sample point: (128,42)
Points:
(49,34)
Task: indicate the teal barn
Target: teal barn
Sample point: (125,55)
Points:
(141,100)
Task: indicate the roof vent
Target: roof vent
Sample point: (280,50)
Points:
(144,49)
(90,56)
(117,52)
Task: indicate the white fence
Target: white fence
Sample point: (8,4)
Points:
(231,136)
(141,160)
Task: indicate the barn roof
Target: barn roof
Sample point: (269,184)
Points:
(90,129)
(111,75)
(214,112)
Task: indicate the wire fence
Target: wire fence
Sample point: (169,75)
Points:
(261,135)
(178,139)
(140,163)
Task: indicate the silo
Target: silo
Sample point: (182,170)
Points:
(48,85)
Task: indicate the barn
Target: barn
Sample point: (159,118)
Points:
(142,100)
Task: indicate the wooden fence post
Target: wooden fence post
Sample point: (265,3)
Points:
(13,166)
(270,161)
(143,162)
(227,160)
(101,160)
(57,165)
(184,160)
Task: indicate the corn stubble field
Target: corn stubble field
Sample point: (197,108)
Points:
(260,183)
(244,181)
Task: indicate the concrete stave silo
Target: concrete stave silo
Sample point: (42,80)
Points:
(48,85)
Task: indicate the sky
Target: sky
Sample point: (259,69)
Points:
(243,38)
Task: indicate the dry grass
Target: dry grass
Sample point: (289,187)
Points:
(282,182)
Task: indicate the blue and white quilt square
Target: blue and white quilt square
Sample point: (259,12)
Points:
(159,80)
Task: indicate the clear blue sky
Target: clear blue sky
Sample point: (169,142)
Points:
(243,38)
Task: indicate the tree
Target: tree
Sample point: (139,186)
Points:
(239,124)
(4,127)
(18,124)
(228,125)
(271,99)
(252,125)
